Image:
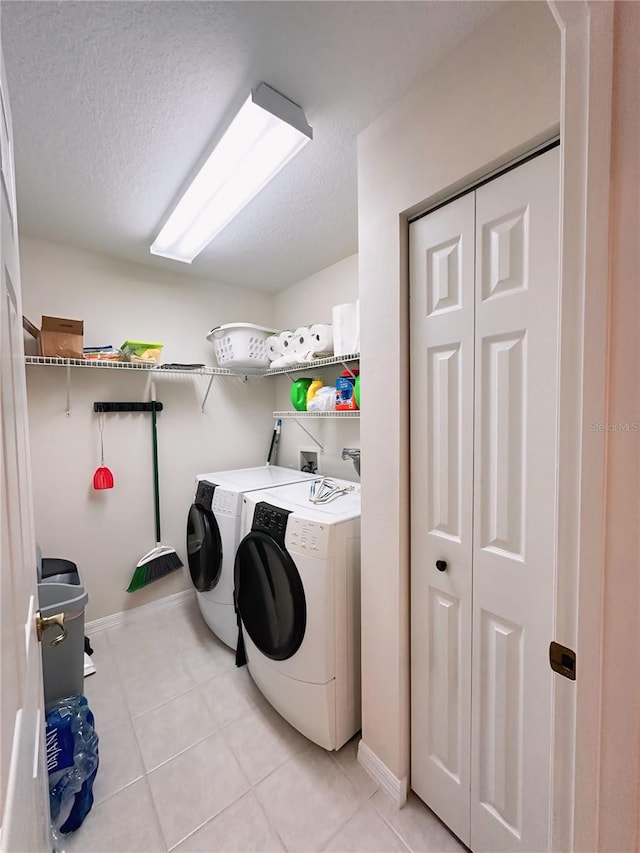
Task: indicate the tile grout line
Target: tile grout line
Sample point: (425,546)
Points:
(161,704)
(219,729)
(391,827)
(257,798)
(146,772)
(273,769)
(182,752)
(173,699)
(143,776)
(368,797)
(205,822)
(281,765)
(361,794)
(309,746)
(146,779)
(342,826)
(365,798)
(270,823)
(219,812)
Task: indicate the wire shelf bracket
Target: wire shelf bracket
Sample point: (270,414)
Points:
(312,437)
(297,417)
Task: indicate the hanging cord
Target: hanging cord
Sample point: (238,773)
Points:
(325,490)
(101,427)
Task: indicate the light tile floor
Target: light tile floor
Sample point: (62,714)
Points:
(192,758)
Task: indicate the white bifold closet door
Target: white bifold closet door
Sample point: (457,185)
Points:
(484,377)
(442,263)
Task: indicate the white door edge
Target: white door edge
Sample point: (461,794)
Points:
(586,67)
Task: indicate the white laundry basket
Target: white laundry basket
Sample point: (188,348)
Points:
(241,345)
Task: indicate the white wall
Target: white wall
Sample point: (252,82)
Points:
(493,96)
(107,532)
(310,301)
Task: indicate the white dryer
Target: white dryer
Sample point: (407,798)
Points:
(213,534)
(297,577)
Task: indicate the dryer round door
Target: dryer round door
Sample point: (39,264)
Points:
(204,548)
(270,596)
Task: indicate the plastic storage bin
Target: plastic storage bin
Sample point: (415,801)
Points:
(62,664)
(241,345)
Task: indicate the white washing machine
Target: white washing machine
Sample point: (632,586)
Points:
(297,579)
(213,534)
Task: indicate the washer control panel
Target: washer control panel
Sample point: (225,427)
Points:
(270,519)
(308,537)
(227,503)
(204,493)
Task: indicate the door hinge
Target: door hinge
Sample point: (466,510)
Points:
(563,660)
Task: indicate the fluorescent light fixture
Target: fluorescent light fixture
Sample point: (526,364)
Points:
(267,132)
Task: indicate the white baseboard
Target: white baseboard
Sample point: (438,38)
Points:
(126,617)
(378,770)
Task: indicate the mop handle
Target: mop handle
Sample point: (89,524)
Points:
(156,483)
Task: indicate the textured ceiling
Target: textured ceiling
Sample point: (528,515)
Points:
(115,103)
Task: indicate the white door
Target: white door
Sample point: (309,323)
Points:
(495,598)
(442,269)
(24,802)
(515,516)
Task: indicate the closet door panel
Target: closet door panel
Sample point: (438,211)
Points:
(442,354)
(515,497)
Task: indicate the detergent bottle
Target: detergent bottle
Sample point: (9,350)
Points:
(313,389)
(298,394)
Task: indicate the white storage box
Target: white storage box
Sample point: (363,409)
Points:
(241,345)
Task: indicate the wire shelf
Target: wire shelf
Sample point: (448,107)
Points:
(49,361)
(332,414)
(312,365)
(157,371)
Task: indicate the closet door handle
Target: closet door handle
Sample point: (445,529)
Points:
(441,565)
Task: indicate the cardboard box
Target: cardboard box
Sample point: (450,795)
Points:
(58,337)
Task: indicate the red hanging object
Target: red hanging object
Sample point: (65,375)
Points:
(103,478)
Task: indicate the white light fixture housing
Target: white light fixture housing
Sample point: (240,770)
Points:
(267,132)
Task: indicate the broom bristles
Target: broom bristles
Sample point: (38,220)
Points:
(158,563)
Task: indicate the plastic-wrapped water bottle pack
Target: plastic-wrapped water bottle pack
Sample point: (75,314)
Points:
(72,761)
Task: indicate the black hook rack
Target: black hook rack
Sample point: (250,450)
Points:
(128,407)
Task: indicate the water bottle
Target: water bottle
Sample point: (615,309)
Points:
(72,761)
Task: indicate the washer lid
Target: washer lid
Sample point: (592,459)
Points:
(261,477)
(295,498)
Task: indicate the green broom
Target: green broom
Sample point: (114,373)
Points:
(161,560)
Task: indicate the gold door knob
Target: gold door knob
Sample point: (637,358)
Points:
(44,622)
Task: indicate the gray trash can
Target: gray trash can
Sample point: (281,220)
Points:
(62,664)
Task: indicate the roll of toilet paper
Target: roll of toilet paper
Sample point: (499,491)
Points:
(321,339)
(273,347)
(301,340)
(285,340)
(346,328)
